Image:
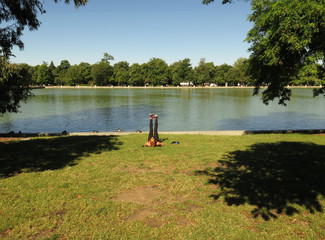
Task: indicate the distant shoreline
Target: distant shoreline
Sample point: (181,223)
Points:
(159,87)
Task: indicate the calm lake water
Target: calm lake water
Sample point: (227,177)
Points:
(85,110)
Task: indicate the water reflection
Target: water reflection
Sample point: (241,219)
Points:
(55,110)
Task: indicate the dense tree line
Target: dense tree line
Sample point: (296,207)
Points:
(156,72)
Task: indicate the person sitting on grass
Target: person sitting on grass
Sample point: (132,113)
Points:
(153,138)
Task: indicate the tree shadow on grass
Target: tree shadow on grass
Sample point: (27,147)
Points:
(276,178)
(51,153)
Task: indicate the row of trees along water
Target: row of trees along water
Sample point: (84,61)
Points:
(156,72)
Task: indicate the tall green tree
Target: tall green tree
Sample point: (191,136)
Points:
(174,73)
(14,86)
(308,75)
(239,72)
(137,77)
(107,58)
(33,71)
(101,73)
(204,72)
(234,77)
(73,76)
(53,71)
(145,73)
(84,69)
(182,71)
(158,71)
(52,66)
(15,16)
(285,34)
(26,68)
(64,65)
(45,76)
(121,73)
(222,73)
(61,71)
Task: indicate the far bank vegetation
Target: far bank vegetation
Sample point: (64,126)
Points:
(156,72)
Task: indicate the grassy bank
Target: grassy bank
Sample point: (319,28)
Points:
(206,187)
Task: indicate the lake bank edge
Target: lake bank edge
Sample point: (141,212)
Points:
(217,133)
(163,87)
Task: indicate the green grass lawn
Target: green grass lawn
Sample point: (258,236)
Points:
(206,187)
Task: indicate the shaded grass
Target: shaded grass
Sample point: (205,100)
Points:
(50,154)
(282,177)
(112,188)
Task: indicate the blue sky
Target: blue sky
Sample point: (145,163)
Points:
(138,30)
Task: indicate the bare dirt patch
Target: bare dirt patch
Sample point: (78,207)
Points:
(184,222)
(154,218)
(142,195)
(148,214)
(141,214)
(136,170)
(154,222)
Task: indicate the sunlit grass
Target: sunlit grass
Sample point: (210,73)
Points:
(113,188)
